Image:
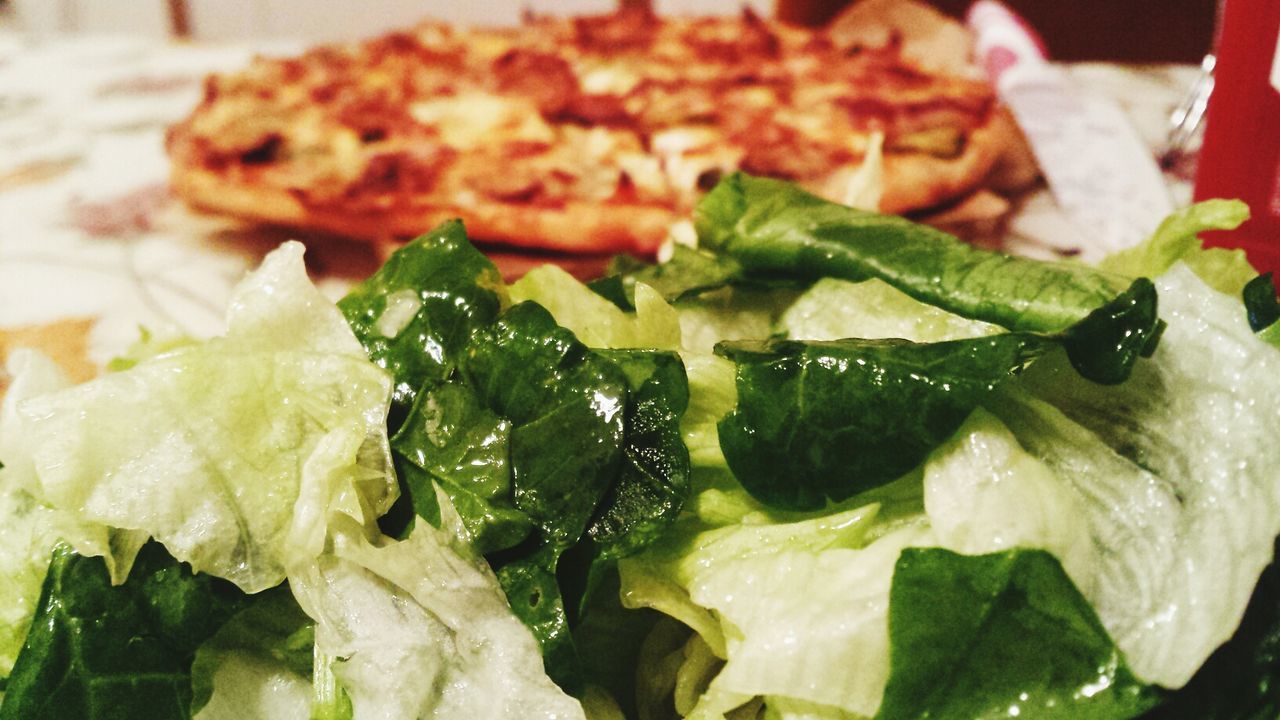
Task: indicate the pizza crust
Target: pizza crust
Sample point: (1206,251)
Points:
(573,227)
(265,145)
(917,180)
(911,181)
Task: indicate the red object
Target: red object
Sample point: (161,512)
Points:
(1240,157)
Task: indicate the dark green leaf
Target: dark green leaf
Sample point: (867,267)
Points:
(612,288)
(775,229)
(999,636)
(1104,345)
(566,406)
(96,651)
(609,638)
(654,480)
(828,420)
(1241,680)
(689,272)
(272,627)
(450,438)
(1261,303)
(534,594)
(445,288)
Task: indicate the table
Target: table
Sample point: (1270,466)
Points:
(88,228)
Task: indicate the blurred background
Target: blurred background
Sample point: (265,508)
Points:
(1117,30)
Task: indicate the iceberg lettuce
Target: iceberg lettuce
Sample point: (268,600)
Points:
(231,452)
(421,628)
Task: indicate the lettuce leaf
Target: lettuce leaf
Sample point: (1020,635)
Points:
(1260,303)
(814,630)
(258,665)
(1176,240)
(983,494)
(544,445)
(29,529)
(999,635)
(595,321)
(417,312)
(231,452)
(826,420)
(452,440)
(819,421)
(833,309)
(422,629)
(1242,678)
(653,482)
(102,651)
(774,228)
(1178,472)
(779,601)
(567,408)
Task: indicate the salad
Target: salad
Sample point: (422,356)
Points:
(820,464)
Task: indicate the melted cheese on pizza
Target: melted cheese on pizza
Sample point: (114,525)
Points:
(624,108)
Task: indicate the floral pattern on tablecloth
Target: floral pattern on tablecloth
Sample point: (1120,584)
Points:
(89,229)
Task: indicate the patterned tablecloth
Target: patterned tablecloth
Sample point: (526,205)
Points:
(88,228)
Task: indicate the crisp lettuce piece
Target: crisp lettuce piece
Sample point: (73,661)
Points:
(595,321)
(248,686)
(258,665)
(833,309)
(984,493)
(417,312)
(1179,472)
(785,708)
(1242,678)
(755,593)
(737,313)
(712,395)
(422,628)
(232,452)
(1176,239)
(1000,635)
(98,650)
(29,528)
(812,627)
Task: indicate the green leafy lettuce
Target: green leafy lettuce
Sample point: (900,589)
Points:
(417,312)
(102,651)
(1178,472)
(258,665)
(421,628)
(1000,635)
(775,229)
(542,444)
(229,452)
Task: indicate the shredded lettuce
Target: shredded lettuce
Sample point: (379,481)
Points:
(1176,240)
(827,465)
(230,452)
(833,309)
(258,665)
(595,321)
(1179,471)
(422,628)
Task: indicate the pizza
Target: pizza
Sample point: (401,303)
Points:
(585,134)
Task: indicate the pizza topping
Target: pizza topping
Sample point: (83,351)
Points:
(471,120)
(541,77)
(629,30)
(627,106)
